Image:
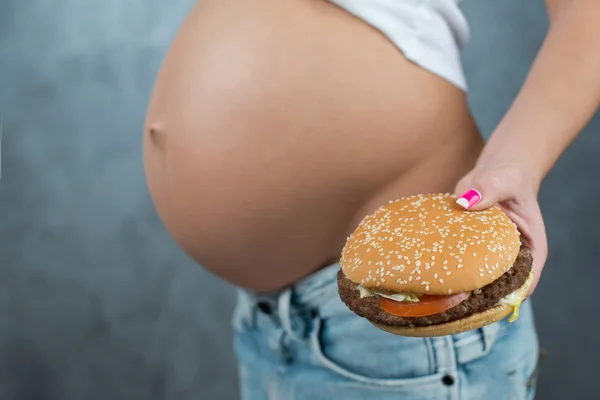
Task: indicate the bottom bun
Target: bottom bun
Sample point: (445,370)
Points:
(473,321)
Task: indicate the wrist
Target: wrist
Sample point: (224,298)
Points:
(509,149)
(525,175)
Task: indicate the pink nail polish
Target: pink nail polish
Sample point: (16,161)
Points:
(469,199)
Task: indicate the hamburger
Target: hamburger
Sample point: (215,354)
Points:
(424,266)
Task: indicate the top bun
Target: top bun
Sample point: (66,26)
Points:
(427,244)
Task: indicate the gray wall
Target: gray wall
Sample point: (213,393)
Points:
(96,301)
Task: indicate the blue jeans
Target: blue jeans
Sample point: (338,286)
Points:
(303,343)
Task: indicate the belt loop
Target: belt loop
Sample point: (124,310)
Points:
(246,308)
(485,339)
(444,354)
(449,366)
(446,362)
(284,303)
(489,334)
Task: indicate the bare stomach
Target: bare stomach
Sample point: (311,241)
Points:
(275,126)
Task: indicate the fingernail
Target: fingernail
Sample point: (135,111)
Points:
(469,199)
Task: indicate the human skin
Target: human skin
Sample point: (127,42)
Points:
(275,126)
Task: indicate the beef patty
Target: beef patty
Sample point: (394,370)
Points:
(368,307)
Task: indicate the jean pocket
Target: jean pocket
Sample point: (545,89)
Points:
(352,348)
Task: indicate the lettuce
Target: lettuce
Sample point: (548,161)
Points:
(367,292)
(514,299)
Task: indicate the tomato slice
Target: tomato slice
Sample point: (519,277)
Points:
(427,305)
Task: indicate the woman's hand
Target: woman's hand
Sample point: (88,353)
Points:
(515,192)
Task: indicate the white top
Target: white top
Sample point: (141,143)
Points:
(430,33)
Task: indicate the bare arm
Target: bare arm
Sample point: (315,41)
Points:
(560,94)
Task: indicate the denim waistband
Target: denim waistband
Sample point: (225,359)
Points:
(303,297)
(311,290)
(307,292)
(288,307)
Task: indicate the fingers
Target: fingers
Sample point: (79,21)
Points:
(538,243)
(528,217)
(484,189)
(517,196)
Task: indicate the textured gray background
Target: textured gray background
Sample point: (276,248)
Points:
(96,301)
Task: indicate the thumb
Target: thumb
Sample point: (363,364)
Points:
(483,189)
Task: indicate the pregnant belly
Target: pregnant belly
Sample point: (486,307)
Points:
(274,127)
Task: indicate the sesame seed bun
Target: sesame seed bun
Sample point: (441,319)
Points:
(473,321)
(427,244)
